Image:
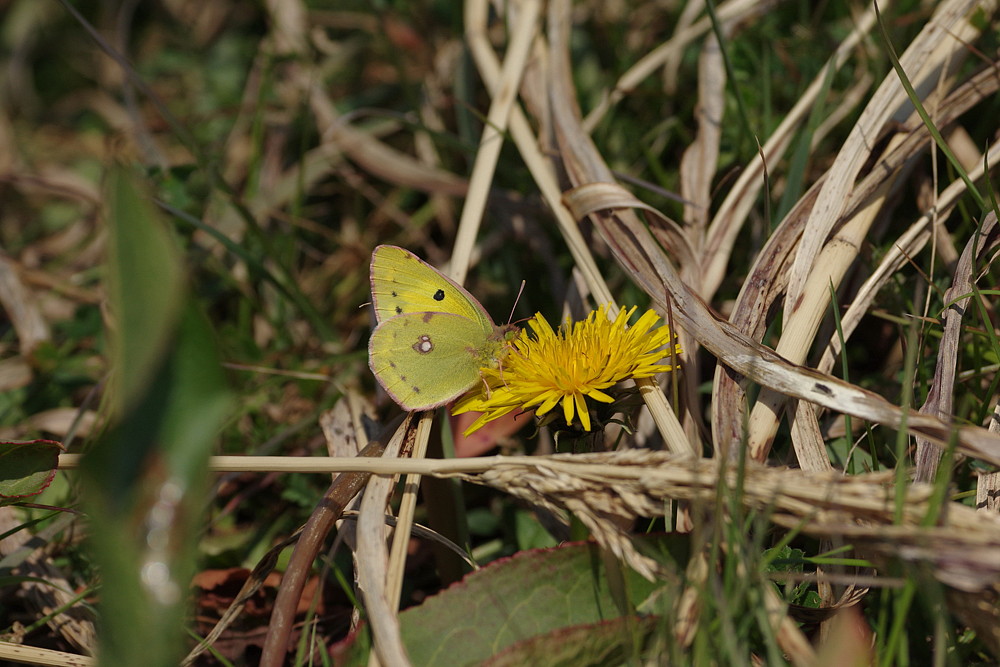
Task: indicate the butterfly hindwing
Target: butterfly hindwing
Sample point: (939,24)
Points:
(426,359)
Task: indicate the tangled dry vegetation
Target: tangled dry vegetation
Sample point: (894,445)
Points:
(888,185)
(680,267)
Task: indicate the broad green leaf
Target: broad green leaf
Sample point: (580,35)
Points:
(145,284)
(145,478)
(530,602)
(26,468)
(619,641)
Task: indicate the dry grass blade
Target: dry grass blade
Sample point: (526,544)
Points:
(768,278)
(30,655)
(377,158)
(46,587)
(541,171)
(905,247)
(290,25)
(761,364)
(407,507)
(940,399)
(741,199)
(828,260)
(670,51)
(672,432)
(600,196)
(636,251)
(987,496)
(308,541)
(807,439)
(801,325)
(372,559)
(609,490)
(939,46)
(22,309)
(697,170)
(763,286)
(699,161)
(592,197)
(523,30)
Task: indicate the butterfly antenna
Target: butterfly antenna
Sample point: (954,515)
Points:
(514,307)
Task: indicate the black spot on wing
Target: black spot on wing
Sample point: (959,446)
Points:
(439,295)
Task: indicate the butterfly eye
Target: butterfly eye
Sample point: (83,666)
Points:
(439,295)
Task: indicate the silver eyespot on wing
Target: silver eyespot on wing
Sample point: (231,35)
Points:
(424,345)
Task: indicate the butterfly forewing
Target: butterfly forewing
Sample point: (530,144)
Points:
(404,283)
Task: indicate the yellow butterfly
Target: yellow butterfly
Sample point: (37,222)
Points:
(432,335)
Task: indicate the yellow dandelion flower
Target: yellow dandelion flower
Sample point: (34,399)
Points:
(546,368)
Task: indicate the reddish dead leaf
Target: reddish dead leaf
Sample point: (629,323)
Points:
(215,591)
(486,438)
(402,35)
(849,643)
